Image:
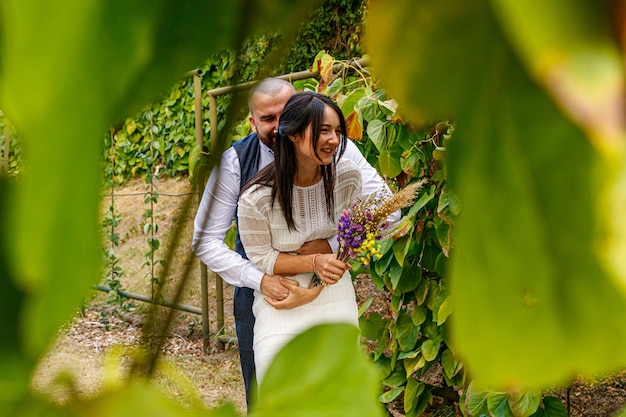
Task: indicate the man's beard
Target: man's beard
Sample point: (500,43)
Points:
(268,139)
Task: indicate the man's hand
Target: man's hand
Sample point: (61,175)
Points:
(274,286)
(314,246)
(297,295)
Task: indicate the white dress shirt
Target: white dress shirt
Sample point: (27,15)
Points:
(219,201)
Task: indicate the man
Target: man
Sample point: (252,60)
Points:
(219,204)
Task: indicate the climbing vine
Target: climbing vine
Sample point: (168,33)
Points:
(150,227)
(113,272)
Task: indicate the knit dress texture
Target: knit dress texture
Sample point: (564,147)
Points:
(264,235)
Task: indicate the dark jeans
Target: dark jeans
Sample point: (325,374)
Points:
(244,325)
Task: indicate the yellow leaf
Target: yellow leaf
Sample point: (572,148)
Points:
(131,127)
(354,126)
(325,67)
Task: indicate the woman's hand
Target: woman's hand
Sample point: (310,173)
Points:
(328,268)
(298,296)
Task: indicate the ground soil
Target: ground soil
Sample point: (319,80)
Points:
(86,356)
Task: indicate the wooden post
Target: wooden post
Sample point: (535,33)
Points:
(204,285)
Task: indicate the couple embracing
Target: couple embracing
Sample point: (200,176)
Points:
(291,179)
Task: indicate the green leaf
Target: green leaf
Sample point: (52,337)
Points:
(348,102)
(343,383)
(388,107)
(430,349)
(517,164)
(451,366)
(392,31)
(450,200)
(405,332)
(372,326)
(334,87)
(421,292)
(433,300)
(389,163)
(413,390)
(363,308)
(553,407)
(413,364)
(396,379)
(142,398)
(524,403)
(441,264)
(444,311)
(195,161)
(423,401)
(382,265)
(411,163)
(87,73)
(575,40)
(395,272)
(419,314)
(498,405)
(377,133)
(390,395)
(11,296)
(400,248)
(410,278)
(368,109)
(476,401)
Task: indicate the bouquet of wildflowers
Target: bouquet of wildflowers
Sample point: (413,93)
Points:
(365,223)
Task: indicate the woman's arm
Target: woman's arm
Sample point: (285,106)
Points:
(255,233)
(326,265)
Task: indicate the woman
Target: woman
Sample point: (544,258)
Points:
(298,199)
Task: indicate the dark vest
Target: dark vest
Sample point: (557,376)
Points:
(248,151)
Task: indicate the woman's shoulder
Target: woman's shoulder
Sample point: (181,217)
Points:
(347,169)
(255,194)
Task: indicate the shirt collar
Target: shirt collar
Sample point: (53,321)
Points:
(265,148)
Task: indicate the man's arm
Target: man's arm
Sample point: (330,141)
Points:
(214,218)
(371,182)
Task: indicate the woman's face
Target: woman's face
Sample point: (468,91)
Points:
(329,141)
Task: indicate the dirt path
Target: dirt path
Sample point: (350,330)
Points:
(87,356)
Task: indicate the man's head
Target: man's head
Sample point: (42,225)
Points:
(266,102)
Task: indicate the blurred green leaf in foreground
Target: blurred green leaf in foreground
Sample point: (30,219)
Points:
(536,93)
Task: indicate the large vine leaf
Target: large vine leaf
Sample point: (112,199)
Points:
(84,61)
(334,367)
(141,398)
(527,178)
(69,70)
(571,50)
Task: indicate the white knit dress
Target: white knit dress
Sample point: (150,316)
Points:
(264,235)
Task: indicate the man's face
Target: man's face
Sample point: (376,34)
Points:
(265,113)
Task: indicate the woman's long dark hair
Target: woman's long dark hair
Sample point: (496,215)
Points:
(302,109)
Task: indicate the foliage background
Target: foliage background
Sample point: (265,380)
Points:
(334,26)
